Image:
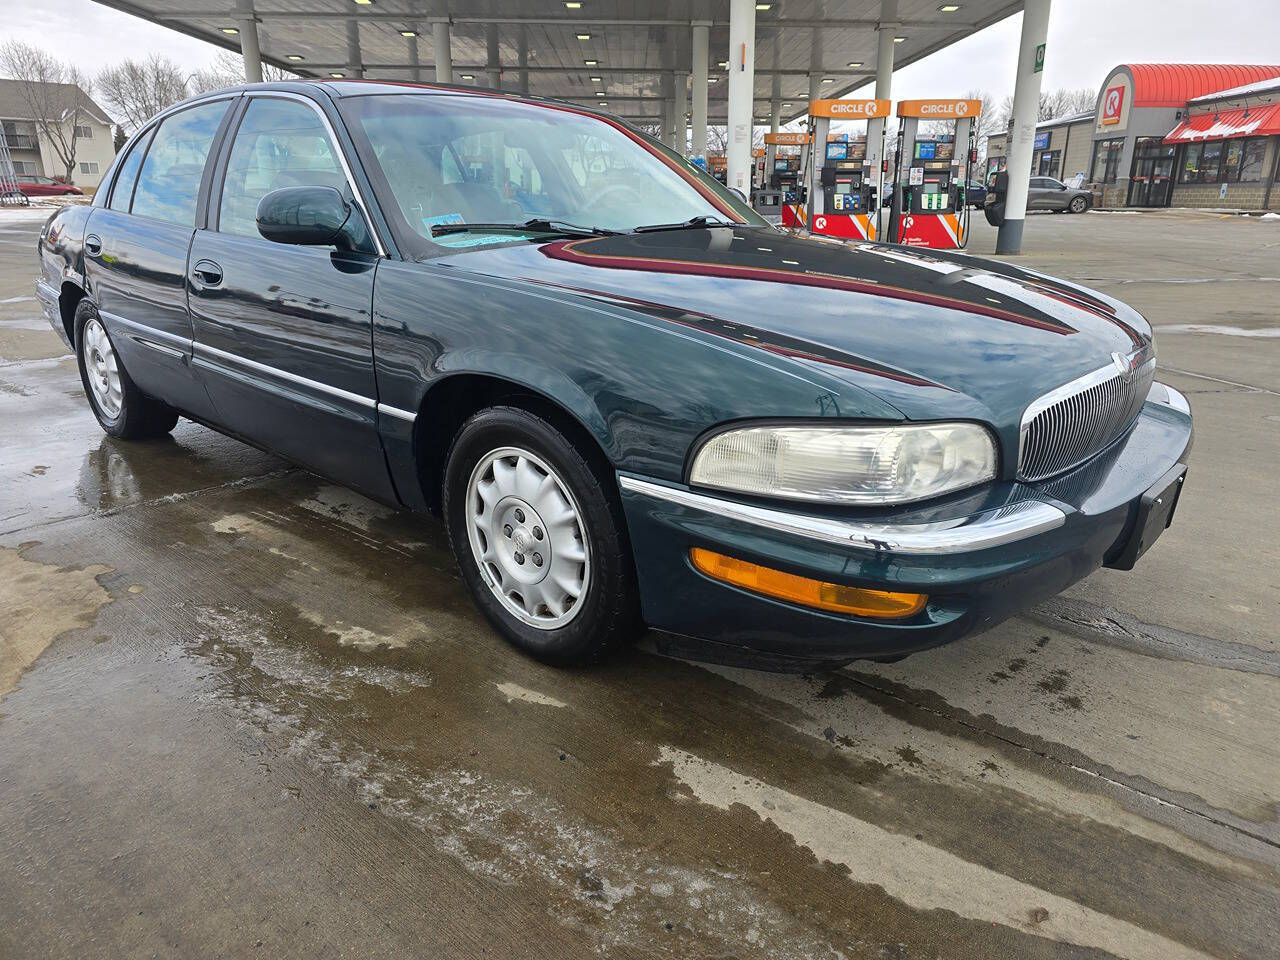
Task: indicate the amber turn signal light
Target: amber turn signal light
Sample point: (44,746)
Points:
(818,594)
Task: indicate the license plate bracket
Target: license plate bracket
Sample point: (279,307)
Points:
(1155,513)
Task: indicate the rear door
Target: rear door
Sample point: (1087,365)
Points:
(283,332)
(136,252)
(1036,194)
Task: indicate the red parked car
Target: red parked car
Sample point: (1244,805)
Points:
(34,186)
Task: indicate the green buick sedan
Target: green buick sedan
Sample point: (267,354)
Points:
(633,403)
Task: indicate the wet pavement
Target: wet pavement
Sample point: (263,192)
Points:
(248,713)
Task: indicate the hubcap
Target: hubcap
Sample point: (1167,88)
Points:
(102,369)
(527,535)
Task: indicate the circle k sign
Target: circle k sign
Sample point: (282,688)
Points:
(849,109)
(939,108)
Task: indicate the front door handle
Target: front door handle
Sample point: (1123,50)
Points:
(93,245)
(207,273)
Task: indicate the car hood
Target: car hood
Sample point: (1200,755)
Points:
(931,333)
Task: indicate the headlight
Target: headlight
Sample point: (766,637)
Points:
(853,464)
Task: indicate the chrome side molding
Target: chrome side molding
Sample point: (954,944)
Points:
(205,352)
(991,528)
(212,356)
(390,411)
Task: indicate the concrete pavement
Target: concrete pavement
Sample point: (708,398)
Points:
(247,713)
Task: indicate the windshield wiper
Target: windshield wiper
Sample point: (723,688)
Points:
(536,225)
(693,223)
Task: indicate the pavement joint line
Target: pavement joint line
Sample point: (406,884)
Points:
(157,501)
(1230,383)
(1109,626)
(1098,774)
(1179,279)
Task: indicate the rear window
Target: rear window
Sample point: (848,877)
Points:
(169,182)
(122,192)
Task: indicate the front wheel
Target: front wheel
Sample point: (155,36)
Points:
(539,538)
(122,409)
(1079,205)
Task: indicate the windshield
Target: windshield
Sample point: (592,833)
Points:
(438,160)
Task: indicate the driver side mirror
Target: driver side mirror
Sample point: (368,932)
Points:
(311,216)
(739,194)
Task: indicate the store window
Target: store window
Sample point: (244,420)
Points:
(1049,160)
(1106,160)
(1201,163)
(1223,161)
(1251,155)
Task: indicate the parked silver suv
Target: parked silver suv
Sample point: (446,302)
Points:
(1046,193)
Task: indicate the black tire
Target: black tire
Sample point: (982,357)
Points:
(140,417)
(607,614)
(1078,205)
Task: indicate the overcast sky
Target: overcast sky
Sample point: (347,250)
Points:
(1086,39)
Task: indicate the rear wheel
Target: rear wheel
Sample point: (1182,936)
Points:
(539,538)
(1078,205)
(122,409)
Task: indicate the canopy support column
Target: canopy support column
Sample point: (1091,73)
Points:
(1026,110)
(701,39)
(443,50)
(247,22)
(742,77)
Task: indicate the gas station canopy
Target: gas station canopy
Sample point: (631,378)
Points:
(624,52)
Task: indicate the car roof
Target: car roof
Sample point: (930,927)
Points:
(347,87)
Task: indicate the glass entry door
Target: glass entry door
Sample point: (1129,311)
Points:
(1151,182)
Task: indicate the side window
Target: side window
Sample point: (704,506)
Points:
(280,143)
(169,182)
(122,193)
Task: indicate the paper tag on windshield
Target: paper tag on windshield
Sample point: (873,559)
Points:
(443,218)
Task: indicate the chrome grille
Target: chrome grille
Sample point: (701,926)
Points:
(1069,425)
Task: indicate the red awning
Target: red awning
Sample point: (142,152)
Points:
(1226,124)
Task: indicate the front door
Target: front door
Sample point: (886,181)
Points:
(1037,194)
(1161,182)
(1152,179)
(136,255)
(283,333)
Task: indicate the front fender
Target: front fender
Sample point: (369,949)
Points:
(643,386)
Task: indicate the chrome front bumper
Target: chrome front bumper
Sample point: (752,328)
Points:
(990,528)
(980,531)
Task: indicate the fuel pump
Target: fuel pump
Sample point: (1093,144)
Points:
(841,194)
(785,173)
(929,208)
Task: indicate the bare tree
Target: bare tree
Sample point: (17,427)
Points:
(55,94)
(718,140)
(227,70)
(137,90)
(1053,105)
(650,128)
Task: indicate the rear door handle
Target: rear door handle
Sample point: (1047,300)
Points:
(207,273)
(92,245)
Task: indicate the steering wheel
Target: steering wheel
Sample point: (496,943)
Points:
(603,198)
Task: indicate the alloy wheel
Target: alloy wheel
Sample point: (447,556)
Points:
(528,537)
